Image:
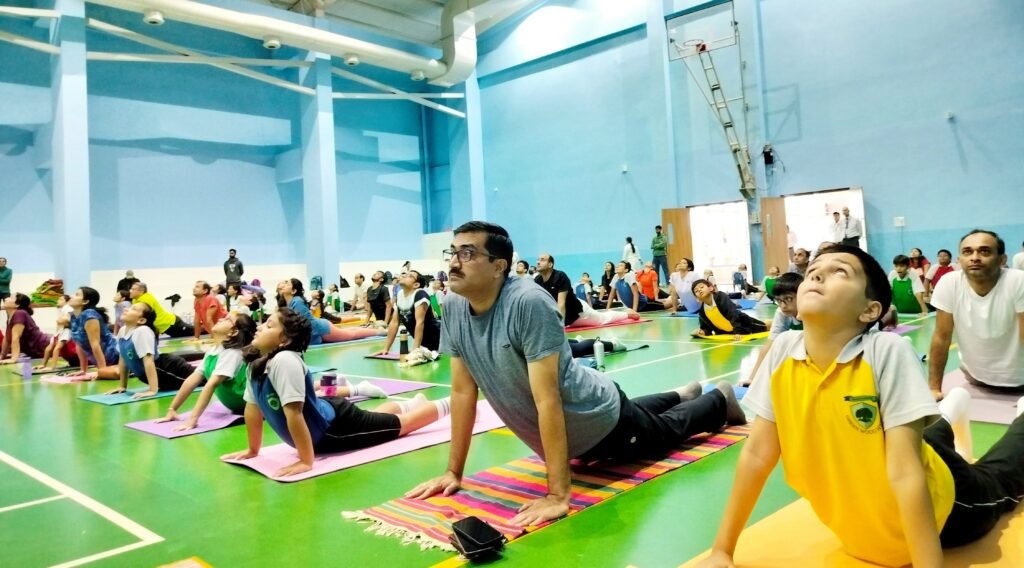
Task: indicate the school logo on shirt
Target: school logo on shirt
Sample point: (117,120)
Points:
(863,412)
(273,401)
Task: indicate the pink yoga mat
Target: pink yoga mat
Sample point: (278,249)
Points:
(903,329)
(615,324)
(986,405)
(217,416)
(56,379)
(273,458)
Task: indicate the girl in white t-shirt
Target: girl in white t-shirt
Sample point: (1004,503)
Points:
(630,255)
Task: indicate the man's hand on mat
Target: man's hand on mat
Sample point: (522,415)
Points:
(242,455)
(718,559)
(294,469)
(699,333)
(171,416)
(118,390)
(144,394)
(547,508)
(188,425)
(446,485)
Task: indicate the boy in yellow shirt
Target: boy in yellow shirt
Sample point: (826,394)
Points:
(849,412)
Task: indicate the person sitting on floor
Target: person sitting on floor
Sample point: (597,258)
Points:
(23,337)
(584,289)
(893,487)
(935,273)
(559,408)
(291,293)
(412,306)
(523,270)
(919,263)
(647,281)
(138,355)
(907,289)
(606,281)
(740,282)
(624,287)
(982,304)
(90,331)
(378,299)
(574,312)
(786,316)
(166,322)
(768,283)
(208,309)
(680,291)
(222,372)
(60,345)
(719,315)
(800,260)
(280,390)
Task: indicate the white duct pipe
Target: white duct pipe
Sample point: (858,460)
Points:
(458,34)
(297,35)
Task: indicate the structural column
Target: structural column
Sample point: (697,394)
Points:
(466,153)
(69,147)
(661,95)
(319,171)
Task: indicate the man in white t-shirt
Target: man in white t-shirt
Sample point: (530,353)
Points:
(1018,259)
(359,293)
(983,304)
(838,228)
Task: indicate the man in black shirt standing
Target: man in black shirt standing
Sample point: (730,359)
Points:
(560,287)
(233,268)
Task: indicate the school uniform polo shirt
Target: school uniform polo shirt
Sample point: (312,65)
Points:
(716,317)
(831,425)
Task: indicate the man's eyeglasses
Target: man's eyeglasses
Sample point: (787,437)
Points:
(465,255)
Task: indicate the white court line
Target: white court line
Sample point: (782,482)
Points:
(105,554)
(676,356)
(739,343)
(147,536)
(908,322)
(347,375)
(31,503)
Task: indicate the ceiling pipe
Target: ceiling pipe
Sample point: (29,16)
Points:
(296,35)
(458,35)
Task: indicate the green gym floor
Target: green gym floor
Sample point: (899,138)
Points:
(77,487)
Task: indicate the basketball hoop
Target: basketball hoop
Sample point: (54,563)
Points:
(696,44)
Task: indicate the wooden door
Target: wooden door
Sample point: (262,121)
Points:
(774,232)
(676,224)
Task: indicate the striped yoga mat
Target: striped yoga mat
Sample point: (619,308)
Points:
(496,494)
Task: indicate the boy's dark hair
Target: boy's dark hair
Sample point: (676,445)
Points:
(877,288)
(629,267)
(421,279)
(657,226)
(245,329)
(699,282)
(787,284)
(526,265)
(901,260)
(125,294)
(944,251)
(498,243)
(296,328)
(1000,243)
(66,297)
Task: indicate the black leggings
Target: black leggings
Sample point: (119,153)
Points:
(985,490)
(179,329)
(651,426)
(171,372)
(355,428)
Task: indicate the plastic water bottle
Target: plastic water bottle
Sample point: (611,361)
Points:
(403,344)
(328,384)
(26,367)
(599,354)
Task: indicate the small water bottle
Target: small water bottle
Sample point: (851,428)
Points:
(599,354)
(403,344)
(328,384)
(26,367)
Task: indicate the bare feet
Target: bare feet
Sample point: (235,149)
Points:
(633,315)
(733,413)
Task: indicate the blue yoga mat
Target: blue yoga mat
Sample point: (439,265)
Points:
(684,315)
(745,304)
(740,391)
(124,397)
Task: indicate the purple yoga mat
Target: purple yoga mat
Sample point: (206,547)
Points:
(217,416)
(986,405)
(392,387)
(903,329)
(56,379)
(273,458)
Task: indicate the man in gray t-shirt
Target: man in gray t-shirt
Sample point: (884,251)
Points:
(506,338)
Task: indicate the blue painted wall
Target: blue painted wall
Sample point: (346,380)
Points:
(855,94)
